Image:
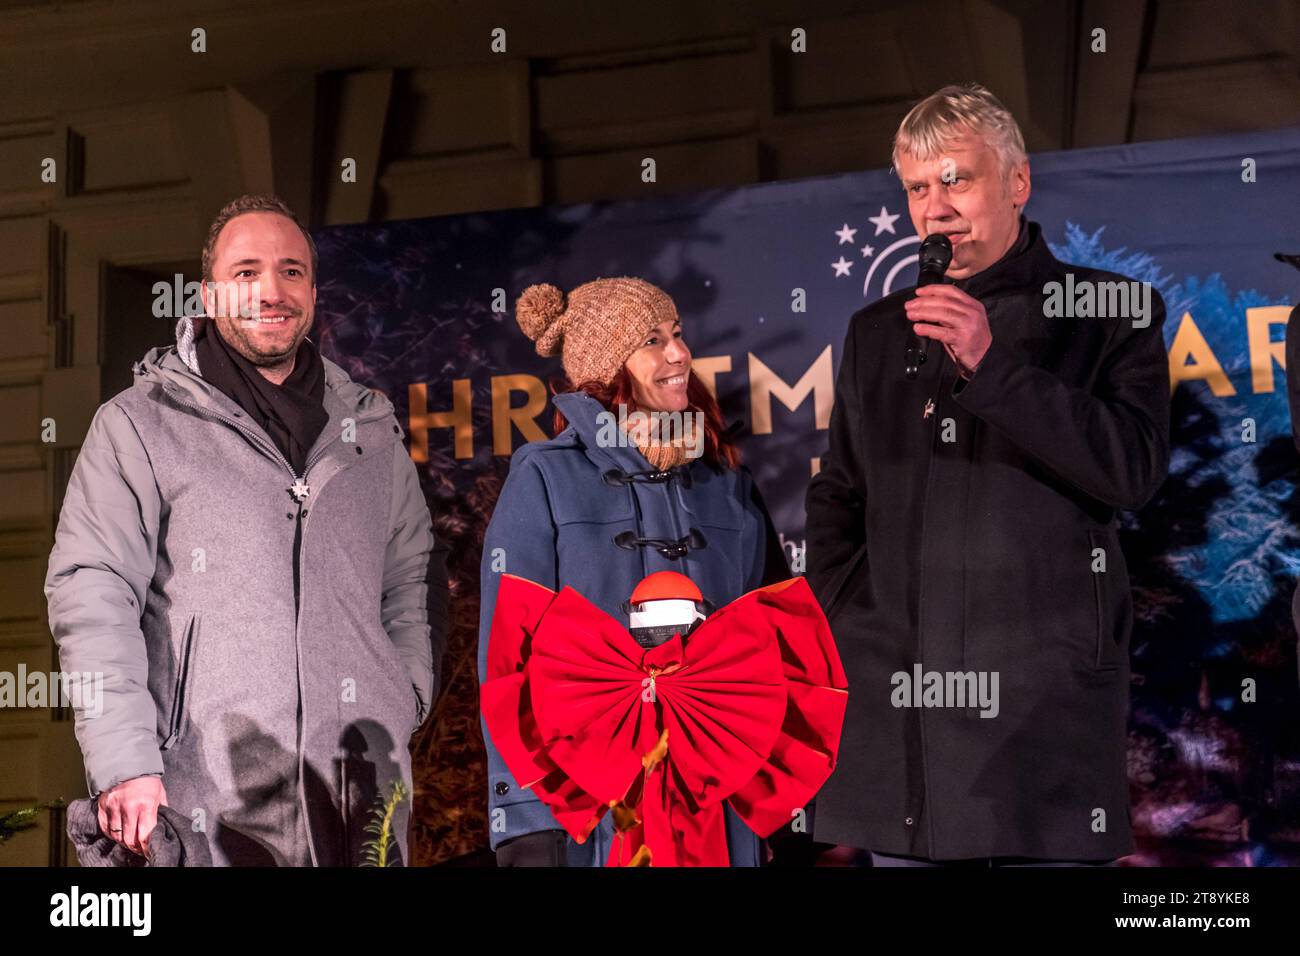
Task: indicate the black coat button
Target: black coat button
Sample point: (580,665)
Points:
(502,788)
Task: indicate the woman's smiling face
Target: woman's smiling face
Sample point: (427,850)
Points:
(660,369)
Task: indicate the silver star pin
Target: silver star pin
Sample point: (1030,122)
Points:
(929,408)
(300,490)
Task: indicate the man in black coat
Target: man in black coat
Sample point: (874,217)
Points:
(962,531)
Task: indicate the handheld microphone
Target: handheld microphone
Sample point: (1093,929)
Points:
(935,256)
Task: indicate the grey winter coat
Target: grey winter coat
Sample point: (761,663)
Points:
(270,658)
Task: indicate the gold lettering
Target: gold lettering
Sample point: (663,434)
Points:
(524,417)
(459,418)
(1264,351)
(708,369)
(1189,343)
(764,384)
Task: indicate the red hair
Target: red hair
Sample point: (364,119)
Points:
(719,450)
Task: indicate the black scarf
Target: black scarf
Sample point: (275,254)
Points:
(292,414)
(1017,268)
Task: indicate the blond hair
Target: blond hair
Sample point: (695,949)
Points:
(933,124)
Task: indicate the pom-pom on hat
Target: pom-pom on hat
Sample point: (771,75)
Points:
(596,326)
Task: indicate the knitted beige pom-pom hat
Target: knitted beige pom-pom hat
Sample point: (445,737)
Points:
(596,326)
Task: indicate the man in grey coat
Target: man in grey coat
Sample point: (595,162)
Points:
(244,554)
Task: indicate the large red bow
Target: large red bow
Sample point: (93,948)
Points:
(748,710)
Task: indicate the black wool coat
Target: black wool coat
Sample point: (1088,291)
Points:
(972,540)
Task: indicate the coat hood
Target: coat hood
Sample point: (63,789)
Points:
(176,369)
(584,415)
(594,427)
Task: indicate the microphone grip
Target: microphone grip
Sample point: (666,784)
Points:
(921,343)
(935,256)
(918,348)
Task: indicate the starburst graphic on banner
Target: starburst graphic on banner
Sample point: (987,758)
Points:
(884,223)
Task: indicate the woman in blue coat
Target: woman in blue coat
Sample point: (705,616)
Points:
(609,500)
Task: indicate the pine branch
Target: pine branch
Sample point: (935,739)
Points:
(24,818)
(375,852)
